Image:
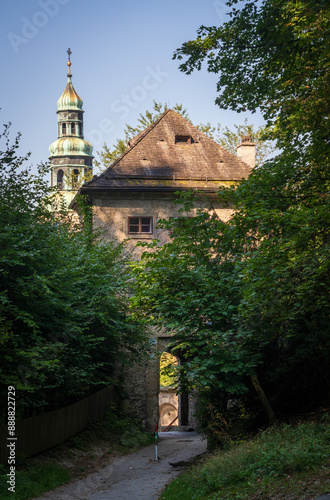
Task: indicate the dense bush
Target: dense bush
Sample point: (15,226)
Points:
(63,301)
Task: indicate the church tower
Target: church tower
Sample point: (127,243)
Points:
(70,155)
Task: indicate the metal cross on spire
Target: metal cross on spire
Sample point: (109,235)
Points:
(69,62)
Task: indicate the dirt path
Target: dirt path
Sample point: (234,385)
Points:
(137,476)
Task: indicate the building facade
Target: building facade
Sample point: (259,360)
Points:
(170,156)
(128,200)
(133,194)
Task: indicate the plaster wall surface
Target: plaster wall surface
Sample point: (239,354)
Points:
(111,215)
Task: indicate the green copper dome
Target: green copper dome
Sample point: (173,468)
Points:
(70,146)
(69,100)
(71,156)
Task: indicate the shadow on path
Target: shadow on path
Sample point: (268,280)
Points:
(137,476)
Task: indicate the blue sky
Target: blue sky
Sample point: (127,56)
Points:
(121,61)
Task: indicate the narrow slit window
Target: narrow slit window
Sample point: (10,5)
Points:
(73,128)
(60,175)
(140,225)
(63,128)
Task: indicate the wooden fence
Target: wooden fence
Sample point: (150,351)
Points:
(36,434)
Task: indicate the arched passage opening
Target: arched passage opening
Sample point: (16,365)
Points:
(185,401)
(168,397)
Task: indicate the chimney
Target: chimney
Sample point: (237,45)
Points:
(247,151)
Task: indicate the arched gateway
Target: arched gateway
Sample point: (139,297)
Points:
(176,408)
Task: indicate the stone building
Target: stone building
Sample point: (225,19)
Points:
(137,190)
(128,200)
(170,156)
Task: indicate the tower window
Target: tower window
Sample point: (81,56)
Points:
(80,129)
(73,128)
(60,175)
(63,128)
(140,225)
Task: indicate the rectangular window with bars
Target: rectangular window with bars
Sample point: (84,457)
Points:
(140,225)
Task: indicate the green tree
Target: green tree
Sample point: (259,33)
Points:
(185,287)
(168,375)
(193,289)
(63,305)
(270,55)
(247,302)
(274,56)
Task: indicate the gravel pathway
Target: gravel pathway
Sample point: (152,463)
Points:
(137,476)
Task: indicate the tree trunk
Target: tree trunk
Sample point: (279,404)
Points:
(263,398)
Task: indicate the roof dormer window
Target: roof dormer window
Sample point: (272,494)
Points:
(183,139)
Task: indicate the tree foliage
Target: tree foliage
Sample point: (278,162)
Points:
(168,374)
(192,287)
(63,305)
(272,56)
(248,300)
(186,287)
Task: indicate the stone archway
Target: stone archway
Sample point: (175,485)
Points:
(168,398)
(171,404)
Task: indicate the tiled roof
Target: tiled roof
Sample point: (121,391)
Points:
(156,159)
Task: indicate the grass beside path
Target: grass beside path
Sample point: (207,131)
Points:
(285,462)
(83,454)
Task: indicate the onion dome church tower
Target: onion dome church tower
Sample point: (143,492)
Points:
(70,155)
